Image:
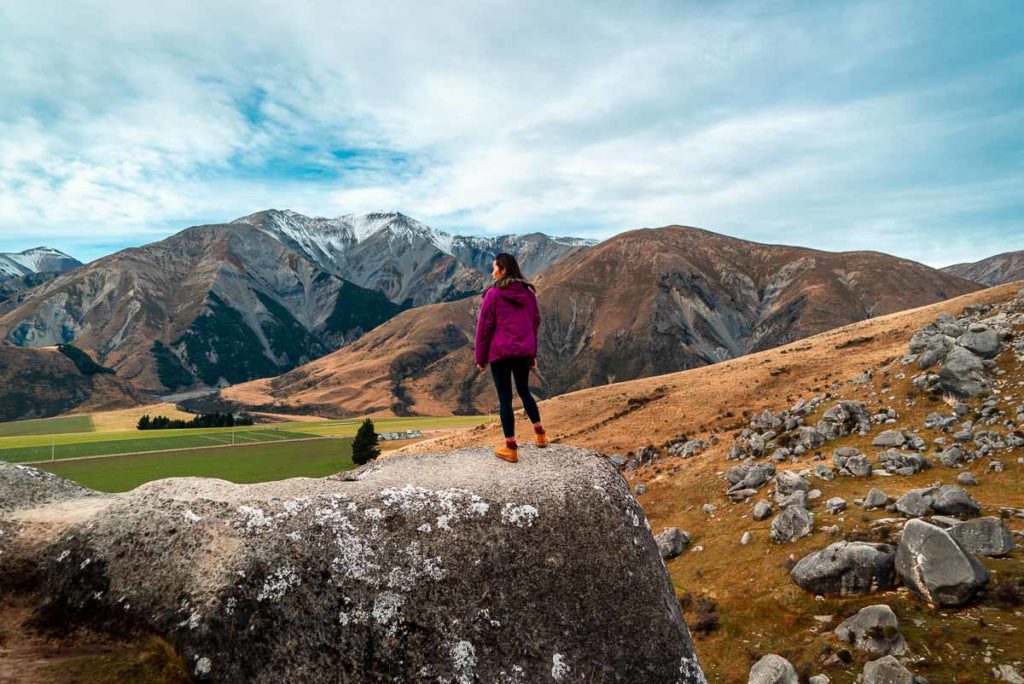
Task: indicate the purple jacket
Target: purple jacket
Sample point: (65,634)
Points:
(509,320)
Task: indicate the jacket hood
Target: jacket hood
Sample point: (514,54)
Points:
(514,290)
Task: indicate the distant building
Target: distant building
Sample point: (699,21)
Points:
(406,434)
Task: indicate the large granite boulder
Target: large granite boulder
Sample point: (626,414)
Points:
(26,487)
(444,567)
(986,536)
(935,567)
(963,373)
(847,568)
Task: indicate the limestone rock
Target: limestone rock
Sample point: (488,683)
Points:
(886,670)
(378,575)
(791,524)
(963,373)
(935,567)
(671,542)
(874,629)
(986,536)
(847,569)
(773,669)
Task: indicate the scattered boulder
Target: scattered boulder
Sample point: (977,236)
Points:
(889,438)
(745,539)
(377,575)
(689,448)
(851,462)
(954,500)
(791,524)
(1007,673)
(876,498)
(671,542)
(952,456)
(847,568)
(939,421)
(773,669)
(967,478)
(986,536)
(935,567)
(762,510)
(823,472)
(983,343)
(886,670)
(753,476)
(899,463)
(797,498)
(873,629)
(647,453)
(789,481)
(944,500)
(844,418)
(963,373)
(835,505)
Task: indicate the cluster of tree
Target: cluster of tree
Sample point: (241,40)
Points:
(365,444)
(204,420)
(82,361)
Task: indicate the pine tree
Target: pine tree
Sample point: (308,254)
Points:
(364,446)
(143,423)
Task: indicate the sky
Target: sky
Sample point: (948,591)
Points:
(890,126)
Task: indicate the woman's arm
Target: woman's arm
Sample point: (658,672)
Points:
(484,329)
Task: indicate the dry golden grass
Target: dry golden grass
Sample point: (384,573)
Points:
(760,609)
(703,401)
(126,419)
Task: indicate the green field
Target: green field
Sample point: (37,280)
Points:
(46,426)
(111,461)
(151,440)
(256,463)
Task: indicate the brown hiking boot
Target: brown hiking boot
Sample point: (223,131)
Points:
(507,454)
(541,440)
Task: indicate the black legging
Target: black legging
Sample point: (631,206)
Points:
(503,371)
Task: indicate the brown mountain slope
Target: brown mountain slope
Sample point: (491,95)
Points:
(44,382)
(643,303)
(423,360)
(701,401)
(995,270)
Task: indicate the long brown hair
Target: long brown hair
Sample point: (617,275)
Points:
(513,274)
(508,263)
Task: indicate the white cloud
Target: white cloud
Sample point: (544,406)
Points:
(822,125)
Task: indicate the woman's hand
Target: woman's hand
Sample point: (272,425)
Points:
(533,362)
(480,367)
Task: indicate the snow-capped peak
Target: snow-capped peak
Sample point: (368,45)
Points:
(398,225)
(35,260)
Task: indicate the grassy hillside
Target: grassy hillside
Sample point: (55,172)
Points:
(739,600)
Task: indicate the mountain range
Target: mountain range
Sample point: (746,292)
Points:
(995,270)
(642,303)
(220,304)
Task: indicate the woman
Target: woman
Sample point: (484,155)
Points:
(506,338)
